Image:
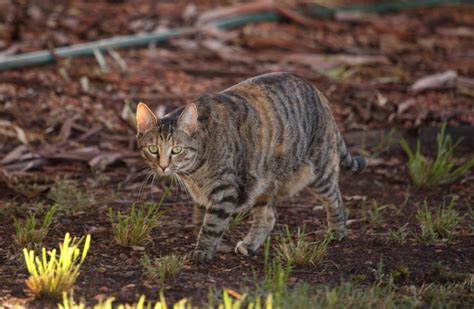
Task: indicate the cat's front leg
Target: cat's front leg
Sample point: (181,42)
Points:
(213,227)
(198,217)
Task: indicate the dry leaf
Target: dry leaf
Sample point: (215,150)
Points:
(436,81)
(234,294)
(9,129)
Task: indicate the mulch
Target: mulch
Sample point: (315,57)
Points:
(74,119)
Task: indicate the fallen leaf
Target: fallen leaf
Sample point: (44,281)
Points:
(465,86)
(9,129)
(464,32)
(13,155)
(405,105)
(234,294)
(355,198)
(104,159)
(443,80)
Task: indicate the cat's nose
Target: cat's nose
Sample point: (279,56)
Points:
(163,167)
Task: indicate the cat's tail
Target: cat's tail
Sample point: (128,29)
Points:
(348,162)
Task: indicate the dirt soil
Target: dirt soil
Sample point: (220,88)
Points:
(71,120)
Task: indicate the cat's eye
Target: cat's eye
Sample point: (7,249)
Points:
(153,149)
(176,150)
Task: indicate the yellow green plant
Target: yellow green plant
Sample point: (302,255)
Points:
(135,228)
(301,251)
(50,274)
(69,197)
(275,274)
(26,231)
(438,225)
(69,303)
(228,302)
(237,219)
(163,268)
(426,172)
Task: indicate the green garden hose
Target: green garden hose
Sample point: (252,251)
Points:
(137,40)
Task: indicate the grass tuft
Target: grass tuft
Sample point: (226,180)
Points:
(399,235)
(373,214)
(346,294)
(456,295)
(26,186)
(27,234)
(51,275)
(300,251)
(69,198)
(229,299)
(386,142)
(135,229)
(237,219)
(163,268)
(275,275)
(233,300)
(438,226)
(426,172)
(70,303)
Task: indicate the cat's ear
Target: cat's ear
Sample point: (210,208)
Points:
(188,120)
(146,119)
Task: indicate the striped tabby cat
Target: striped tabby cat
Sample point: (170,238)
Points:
(249,146)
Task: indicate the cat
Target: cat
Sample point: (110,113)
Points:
(248,147)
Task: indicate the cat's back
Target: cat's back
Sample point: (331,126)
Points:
(280,94)
(278,100)
(274,79)
(271,117)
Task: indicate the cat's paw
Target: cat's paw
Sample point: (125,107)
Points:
(338,233)
(244,249)
(201,256)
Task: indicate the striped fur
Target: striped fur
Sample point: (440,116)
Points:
(250,146)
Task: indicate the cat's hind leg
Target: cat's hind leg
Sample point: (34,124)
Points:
(263,221)
(335,210)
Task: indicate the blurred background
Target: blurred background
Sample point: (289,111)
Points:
(366,56)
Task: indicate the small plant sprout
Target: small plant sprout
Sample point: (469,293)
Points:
(233,300)
(51,275)
(439,226)
(373,214)
(425,172)
(227,302)
(301,251)
(163,268)
(68,197)
(400,274)
(386,142)
(237,219)
(275,276)
(399,235)
(69,303)
(135,229)
(28,234)
(24,186)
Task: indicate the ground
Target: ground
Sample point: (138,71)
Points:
(71,120)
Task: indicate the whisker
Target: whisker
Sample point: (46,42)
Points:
(143,185)
(174,185)
(132,178)
(152,184)
(182,184)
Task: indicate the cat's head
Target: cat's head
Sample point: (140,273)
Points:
(168,144)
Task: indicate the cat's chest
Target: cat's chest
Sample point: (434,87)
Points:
(195,191)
